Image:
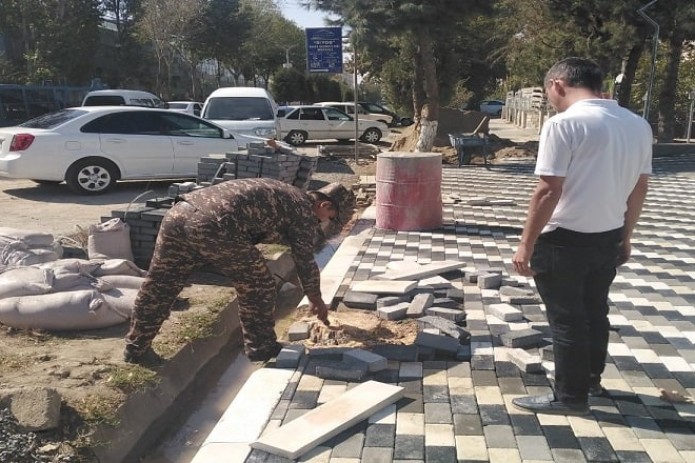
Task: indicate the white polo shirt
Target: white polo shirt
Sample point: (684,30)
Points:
(601,149)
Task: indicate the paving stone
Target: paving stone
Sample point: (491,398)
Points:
(438,413)
(471,449)
(390,300)
(440,454)
(342,371)
(396,352)
(505,312)
(409,447)
(522,338)
(560,437)
(372,361)
(524,361)
(357,300)
(445,302)
(445,326)
(420,303)
(438,343)
(493,414)
(489,280)
(383,286)
(289,356)
(380,435)
(378,454)
(499,436)
(597,449)
(393,312)
(520,296)
(455,315)
(633,457)
(298,331)
(567,456)
(467,425)
(526,425)
(533,448)
(464,404)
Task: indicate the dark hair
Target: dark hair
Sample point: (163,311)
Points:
(319,196)
(577,72)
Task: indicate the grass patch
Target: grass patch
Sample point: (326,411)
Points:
(131,378)
(97,410)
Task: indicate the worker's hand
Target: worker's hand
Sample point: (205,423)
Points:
(624,252)
(522,260)
(319,308)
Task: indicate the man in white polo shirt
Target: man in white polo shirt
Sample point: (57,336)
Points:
(594,160)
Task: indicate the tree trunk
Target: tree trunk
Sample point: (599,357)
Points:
(630,70)
(667,96)
(429,119)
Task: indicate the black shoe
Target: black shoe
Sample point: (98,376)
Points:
(546,403)
(264,354)
(595,389)
(147,358)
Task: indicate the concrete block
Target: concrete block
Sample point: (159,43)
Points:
(328,352)
(455,294)
(390,300)
(454,315)
(464,353)
(342,371)
(522,338)
(489,280)
(446,302)
(396,352)
(447,327)
(289,356)
(436,281)
(383,286)
(393,312)
(298,331)
(419,304)
(509,281)
(505,312)
(320,424)
(356,300)
(425,353)
(423,271)
(514,295)
(432,331)
(526,362)
(438,342)
(472,276)
(372,361)
(547,354)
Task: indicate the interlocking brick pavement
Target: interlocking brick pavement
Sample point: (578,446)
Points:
(461,411)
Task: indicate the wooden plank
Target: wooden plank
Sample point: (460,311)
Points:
(320,424)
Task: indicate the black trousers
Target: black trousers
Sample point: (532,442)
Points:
(574,272)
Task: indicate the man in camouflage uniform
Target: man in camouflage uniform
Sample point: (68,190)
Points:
(219,226)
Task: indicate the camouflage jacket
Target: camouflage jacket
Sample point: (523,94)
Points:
(263,210)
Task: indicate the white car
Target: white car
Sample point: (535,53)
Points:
(304,123)
(188,107)
(90,148)
(492,107)
(363,111)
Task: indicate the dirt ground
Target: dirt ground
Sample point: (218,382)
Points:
(87,368)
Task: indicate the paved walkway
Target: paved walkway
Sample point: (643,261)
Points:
(461,411)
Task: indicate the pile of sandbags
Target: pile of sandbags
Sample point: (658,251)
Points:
(69,294)
(20,247)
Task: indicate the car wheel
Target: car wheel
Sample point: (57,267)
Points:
(296,138)
(91,176)
(46,182)
(371,135)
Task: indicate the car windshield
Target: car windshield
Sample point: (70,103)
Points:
(239,109)
(51,120)
(104,100)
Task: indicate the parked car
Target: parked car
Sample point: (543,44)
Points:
(321,122)
(122,97)
(188,107)
(492,107)
(90,148)
(362,113)
(249,112)
(376,108)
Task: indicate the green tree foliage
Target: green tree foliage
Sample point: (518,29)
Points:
(52,39)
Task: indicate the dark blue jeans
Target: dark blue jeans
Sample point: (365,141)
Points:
(574,272)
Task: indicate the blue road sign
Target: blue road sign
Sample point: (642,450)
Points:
(324,49)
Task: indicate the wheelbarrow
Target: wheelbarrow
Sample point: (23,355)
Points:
(464,144)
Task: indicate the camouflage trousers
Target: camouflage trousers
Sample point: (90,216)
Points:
(189,240)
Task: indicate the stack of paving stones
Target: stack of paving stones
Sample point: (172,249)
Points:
(258,160)
(461,410)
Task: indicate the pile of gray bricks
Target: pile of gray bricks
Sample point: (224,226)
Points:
(257,161)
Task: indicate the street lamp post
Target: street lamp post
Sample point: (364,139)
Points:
(354,81)
(690,117)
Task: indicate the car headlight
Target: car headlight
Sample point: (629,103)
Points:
(265,132)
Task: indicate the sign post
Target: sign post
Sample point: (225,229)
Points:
(324,50)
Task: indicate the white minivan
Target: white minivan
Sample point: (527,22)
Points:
(249,112)
(122,97)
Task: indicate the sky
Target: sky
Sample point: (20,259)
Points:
(292,10)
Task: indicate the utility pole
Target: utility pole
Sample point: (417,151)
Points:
(354,80)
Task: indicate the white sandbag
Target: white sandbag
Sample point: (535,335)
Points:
(118,267)
(123,281)
(35,256)
(74,265)
(110,240)
(121,300)
(31,238)
(25,281)
(69,310)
